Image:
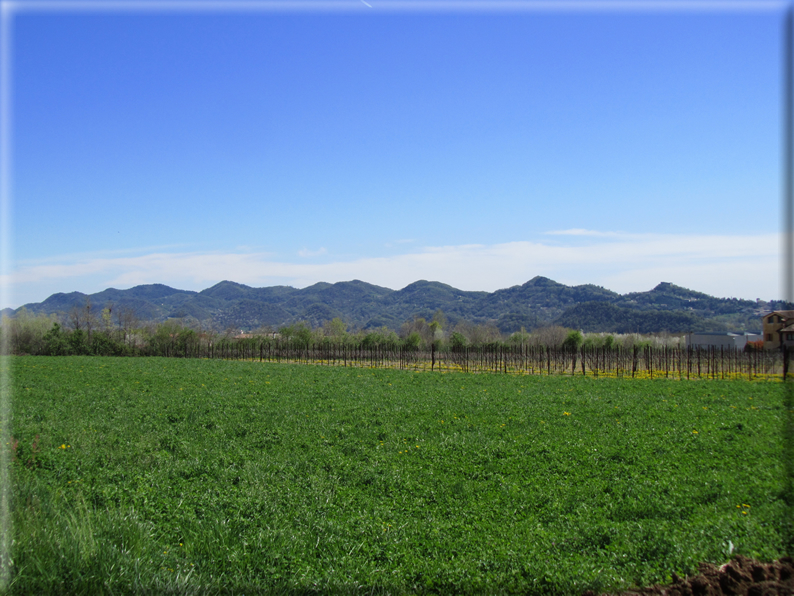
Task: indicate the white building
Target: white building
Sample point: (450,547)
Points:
(735,341)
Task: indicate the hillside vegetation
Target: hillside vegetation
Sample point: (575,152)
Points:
(537,303)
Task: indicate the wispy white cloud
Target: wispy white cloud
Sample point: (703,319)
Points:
(746,266)
(312,253)
(104,254)
(583,232)
(400,241)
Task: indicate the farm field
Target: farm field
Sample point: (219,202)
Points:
(153,475)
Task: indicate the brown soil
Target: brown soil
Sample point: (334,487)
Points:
(738,577)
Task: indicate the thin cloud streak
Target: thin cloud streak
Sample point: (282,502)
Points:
(312,253)
(583,232)
(742,266)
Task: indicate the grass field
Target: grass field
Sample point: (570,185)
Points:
(157,475)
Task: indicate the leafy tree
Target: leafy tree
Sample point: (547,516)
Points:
(104,345)
(163,340)
(436,333)
(186,340)
(458,341)
(285,333)
(78,342)
(417,325)
(520,338)
(382,337)
(107,319)
(336,329)
(300,334)
(440,319)
(413,341)
(56,342)
(573,340)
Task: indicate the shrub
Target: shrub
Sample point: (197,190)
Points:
(78,342)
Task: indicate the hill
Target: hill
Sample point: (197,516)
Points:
(540,301)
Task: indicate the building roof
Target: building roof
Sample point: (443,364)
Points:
(712,333)
(728,333)
(784,313)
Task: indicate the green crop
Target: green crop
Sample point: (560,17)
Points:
(194,476)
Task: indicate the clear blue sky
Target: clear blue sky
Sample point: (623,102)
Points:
(475,148)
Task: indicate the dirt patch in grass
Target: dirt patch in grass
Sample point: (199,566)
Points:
(739,577)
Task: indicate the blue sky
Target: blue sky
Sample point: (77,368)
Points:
(473,147)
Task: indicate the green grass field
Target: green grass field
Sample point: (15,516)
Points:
(188,476)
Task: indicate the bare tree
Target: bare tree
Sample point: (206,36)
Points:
(551,336)
(478,334)
(127,321)
(89,317)
(82,317)
(26,331)
(485,334)
(75,318)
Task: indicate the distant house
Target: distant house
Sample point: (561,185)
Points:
(735,341)
(778,329)
(244,335)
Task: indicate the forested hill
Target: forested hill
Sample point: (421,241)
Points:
(540,301)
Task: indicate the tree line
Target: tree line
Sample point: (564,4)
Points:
(420,344)
(117,331)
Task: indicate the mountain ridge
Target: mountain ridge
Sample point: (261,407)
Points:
(537,302)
